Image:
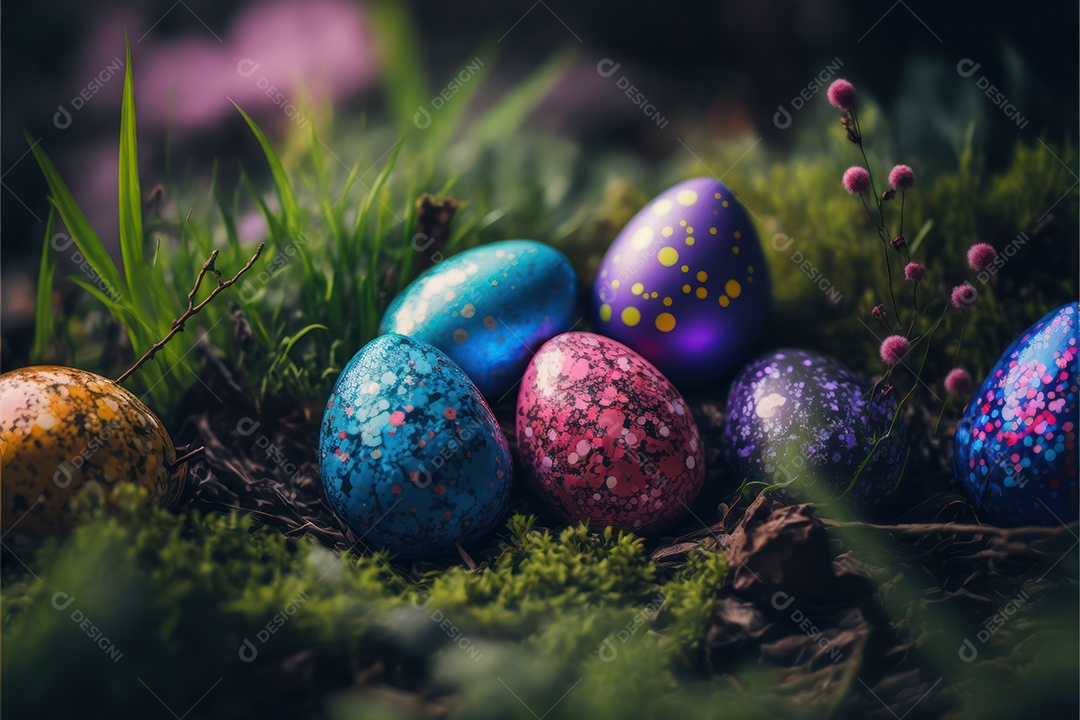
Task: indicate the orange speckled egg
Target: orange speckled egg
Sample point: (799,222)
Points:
(63,429)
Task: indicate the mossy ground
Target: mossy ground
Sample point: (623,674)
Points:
(187,601)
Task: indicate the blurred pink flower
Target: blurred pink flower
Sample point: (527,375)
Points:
(914,272)
(857,180)
(273,55)
(963,296)
(894,348)
(842,95)
(981,256)
(958,382)
(902,177)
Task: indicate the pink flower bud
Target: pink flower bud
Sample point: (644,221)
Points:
(894,348)
(857,180)
(958,382)
(902,177)
(842,95)
(981,256)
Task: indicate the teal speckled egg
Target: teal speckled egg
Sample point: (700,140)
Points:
(411,457)
(489,309)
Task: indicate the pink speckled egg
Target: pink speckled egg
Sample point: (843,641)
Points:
(605,437)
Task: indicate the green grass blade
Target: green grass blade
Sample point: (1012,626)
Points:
(373,191)
(507,116)
(289,343)
(400,57)
(289,208)
(43,327)
(86,239)
(923,232)
(118,311)
(131,226)
(453,112)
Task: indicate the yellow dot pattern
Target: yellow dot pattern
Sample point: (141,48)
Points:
(687,197)
(645,239)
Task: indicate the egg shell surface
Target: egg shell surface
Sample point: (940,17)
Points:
(605,437)
(411,457)
(685,283)
(804,421)
(1015,449)
(64,430)
(489,308)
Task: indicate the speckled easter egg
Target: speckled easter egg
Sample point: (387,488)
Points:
(1015,447)
(804,421)
(605,437)
(411,457)
(64,431)
(685,283)
(488,308)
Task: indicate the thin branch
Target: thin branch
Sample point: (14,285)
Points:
(192,308)
(188,456)
(957,528)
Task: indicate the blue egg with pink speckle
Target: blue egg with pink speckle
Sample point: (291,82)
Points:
(1015,448)
(490,308)
(803,424)
(412,458)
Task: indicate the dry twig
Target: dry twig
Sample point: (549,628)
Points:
(192,308)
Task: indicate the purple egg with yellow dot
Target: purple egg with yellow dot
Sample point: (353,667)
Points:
(1015,451)
(685,283)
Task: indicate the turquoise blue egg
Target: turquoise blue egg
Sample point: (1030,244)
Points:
(1015,451)
(490,308)
(411,457)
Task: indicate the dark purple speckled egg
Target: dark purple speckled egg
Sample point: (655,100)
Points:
(804,421)
(685,283)
(1015,448)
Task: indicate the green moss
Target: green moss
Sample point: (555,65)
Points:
(181,598)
